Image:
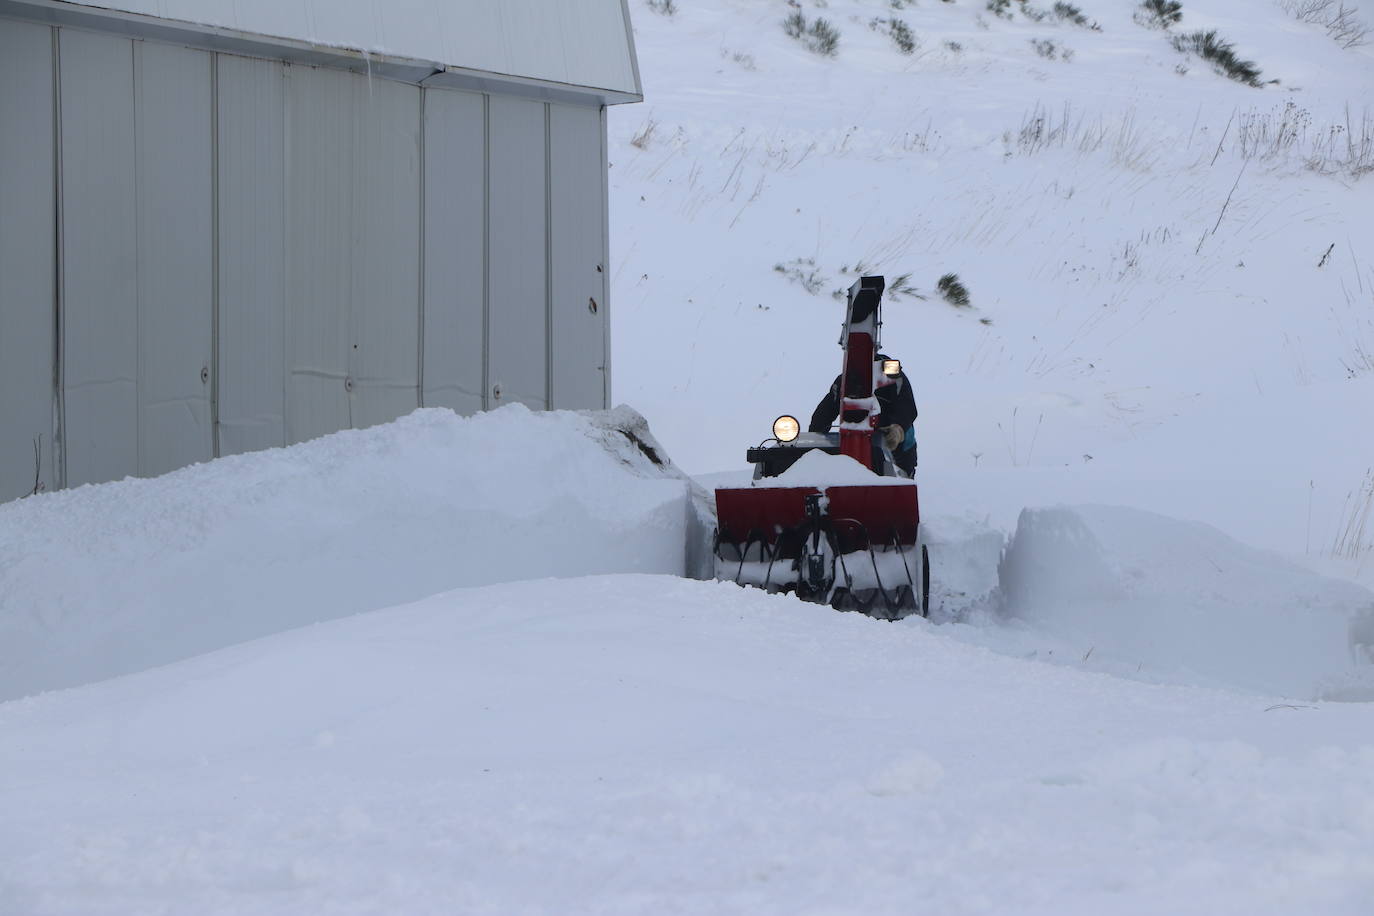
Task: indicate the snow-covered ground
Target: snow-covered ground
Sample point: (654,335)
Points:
(642,744)
(451,666)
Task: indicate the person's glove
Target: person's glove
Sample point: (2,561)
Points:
(893,435)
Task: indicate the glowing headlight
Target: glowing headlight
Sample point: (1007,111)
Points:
(892,367)
(786,428)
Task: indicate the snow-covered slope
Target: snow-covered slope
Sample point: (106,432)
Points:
(1171,273)
(640,744)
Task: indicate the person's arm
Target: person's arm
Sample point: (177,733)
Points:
(899,408)
(827,410)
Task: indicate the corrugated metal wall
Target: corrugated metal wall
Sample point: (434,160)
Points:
(28,258)
(204,254)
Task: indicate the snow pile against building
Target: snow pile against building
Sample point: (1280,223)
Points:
(104,580)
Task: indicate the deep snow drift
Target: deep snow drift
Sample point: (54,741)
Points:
(1180,601)
(104,580)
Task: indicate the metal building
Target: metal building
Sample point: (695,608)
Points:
(233,224)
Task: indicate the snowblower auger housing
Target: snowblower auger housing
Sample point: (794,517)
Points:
(852,545)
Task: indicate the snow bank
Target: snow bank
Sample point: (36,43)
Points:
(104,580)
(647,745)
(1181,601)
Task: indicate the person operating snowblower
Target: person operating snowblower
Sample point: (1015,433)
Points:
(896,418)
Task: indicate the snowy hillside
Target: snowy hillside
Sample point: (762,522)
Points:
(451,665)
(1171,273)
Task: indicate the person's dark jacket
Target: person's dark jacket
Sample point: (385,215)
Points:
(896,403)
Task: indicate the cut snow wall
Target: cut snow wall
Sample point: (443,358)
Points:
(105,580)
(1180,600)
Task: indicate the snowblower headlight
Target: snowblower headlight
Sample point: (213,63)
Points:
(786,428)
(892,367)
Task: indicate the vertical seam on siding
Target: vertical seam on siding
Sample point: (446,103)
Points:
(214,255)
(605,264)
(548,256)
(486,251)
(420,337)
(59,442)
(288,432)
(136,71)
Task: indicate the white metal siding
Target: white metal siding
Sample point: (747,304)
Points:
(518,293)
(252,255)
(455,249)
(577,255)
(175,255)
(320,242)
(100,277)
(384,357)
(27,258)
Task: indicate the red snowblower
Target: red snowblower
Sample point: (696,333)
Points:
(823,527)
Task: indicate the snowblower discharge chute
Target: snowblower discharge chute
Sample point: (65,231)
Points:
(853,545)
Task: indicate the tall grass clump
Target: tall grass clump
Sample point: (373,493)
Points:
(953,291)
(1221,54)
(818,36)
(663,7)
(898,31)
(1067,12)
(1159,14)
(1000,8)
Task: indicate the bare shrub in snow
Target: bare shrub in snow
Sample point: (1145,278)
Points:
(818,36)
(898,31)
(746,61)
(1159,14)
(1050,50)
(1268,135)
(954,46)
(1340,21)
(1067,12)
(1346,149)
(1000,8)
(953,291)
(1221,54)
(803,272)
(1288,133)
(663,7)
